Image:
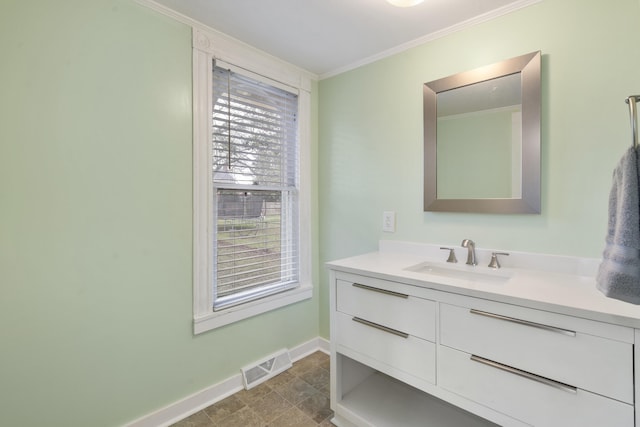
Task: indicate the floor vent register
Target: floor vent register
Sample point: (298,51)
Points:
(267,368)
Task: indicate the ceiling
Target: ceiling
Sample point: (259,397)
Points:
(327,37)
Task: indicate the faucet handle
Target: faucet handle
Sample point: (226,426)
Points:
(494,259)
(452,255)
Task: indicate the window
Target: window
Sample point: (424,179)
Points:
(251,187)
(255,180)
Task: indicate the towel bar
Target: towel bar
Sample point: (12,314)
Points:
(632,100)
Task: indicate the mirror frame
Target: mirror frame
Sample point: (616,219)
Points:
(529,68)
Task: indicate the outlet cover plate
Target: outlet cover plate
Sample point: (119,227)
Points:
(389,221)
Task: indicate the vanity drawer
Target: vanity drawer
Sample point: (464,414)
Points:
(535,401)
(600,365)
(380,302)
(407,353)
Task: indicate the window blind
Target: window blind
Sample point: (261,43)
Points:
(255,179)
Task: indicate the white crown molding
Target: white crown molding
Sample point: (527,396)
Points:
(181,409)
(225,39)
(433,36)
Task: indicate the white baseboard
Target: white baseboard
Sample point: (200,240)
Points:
(305,349)
(181,409)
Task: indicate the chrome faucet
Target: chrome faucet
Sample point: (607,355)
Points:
(471,256)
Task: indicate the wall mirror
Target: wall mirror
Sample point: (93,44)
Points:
(482,139)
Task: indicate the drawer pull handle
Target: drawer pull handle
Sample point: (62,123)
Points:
(382,291)
(525,374)
(382,328)
(524,322)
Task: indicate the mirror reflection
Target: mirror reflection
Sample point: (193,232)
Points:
(479,132)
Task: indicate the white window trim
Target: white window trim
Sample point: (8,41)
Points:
(206,47)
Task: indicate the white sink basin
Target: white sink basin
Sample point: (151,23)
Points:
(463,272)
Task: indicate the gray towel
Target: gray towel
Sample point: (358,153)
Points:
(619,273)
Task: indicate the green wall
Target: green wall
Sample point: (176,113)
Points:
(95,221)
(95,189)
(371,133)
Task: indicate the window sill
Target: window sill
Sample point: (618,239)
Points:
(217,319)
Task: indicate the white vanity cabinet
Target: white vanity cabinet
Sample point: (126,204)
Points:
(407,354)
(383,358)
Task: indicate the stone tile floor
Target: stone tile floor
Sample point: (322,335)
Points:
(298,397)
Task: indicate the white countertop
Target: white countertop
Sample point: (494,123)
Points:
(560,284)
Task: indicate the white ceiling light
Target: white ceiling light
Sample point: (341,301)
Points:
(405,3)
